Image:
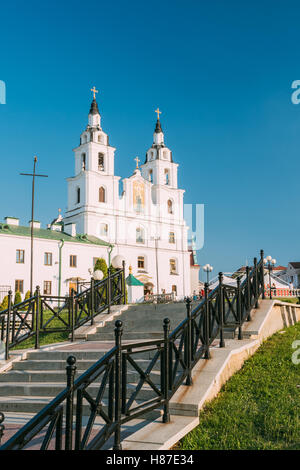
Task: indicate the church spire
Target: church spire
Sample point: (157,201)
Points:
(94,107)
(94,114)
(158,137)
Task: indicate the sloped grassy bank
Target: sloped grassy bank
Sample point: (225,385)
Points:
(259,407)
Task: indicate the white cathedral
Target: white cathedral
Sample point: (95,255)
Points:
(142,221)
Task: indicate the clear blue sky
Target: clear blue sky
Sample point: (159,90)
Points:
(221,72)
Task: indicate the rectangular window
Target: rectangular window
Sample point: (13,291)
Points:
(48,259)
(171,237)
(20,256)
(141,262)
(47,287)
(73,261)
(173,266)
(19,285)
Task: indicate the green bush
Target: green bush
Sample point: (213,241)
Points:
(101,266)
(18,298)
(4,304)
(27,295)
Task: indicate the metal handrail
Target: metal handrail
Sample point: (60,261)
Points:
(177,353)
(26,319)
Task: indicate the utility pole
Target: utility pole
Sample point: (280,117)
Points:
(32,218)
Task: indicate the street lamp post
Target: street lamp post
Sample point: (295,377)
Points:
(208,269)
(270,263)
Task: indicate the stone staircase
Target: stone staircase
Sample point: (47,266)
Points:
(143,322)
(35,381)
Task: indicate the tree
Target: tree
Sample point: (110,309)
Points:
(101,266)
(18,298)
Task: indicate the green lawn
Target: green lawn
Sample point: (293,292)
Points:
(48,338)
(290,300)
(258,408)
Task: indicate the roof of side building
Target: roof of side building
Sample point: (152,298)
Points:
(48,234)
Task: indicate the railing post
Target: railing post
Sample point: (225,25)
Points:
(92,305)
(238,308)
(8,325)
(72,307)
(124,381)
(248,293)
(165,371)
(221,311)
(123,282)
(206,323)
(262,273)
(71,370)
(2,328)
(37,317)
(108,294)
(2,427)
(188,345)
(118,385)
(256,283)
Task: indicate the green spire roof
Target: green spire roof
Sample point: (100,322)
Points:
(133,281)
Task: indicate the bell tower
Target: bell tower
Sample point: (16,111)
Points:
(93,187)
(159,167)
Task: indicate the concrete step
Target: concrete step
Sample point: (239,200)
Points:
(32,390)
(50,365)
(130,335)
(93,355)
(32,376)
(25,404)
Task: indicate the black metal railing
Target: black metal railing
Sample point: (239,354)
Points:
(132,380)
(50,314)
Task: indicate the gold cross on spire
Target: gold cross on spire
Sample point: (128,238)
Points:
(94,91)
(158,112)
(137,162)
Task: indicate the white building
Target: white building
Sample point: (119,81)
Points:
(144,222)
(60,259)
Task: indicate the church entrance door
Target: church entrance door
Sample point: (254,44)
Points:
(72,285)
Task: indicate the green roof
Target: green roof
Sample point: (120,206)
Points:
(133,281)
(49,234)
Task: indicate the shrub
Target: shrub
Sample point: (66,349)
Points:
(101,266)
(27,295)
(4,304)
(18,298)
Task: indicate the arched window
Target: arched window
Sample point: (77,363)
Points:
(83,160)
(167,176)
(151,176)
(100,162)
(170,206)
(100,138)
(140,235)
(101,194)
(78,195)
(103,230)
